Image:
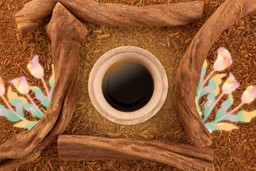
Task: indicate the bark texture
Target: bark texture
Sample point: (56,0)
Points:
(33,13)
(66,33)
(188,74)
(184,157)
(124,15)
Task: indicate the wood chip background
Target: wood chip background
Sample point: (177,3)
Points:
(234,150)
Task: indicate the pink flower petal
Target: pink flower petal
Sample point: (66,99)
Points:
(21,85)
(230,84)
(35,68)
(2,88)
(249,95)
(224,60)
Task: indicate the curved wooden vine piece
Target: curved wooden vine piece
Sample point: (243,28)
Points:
(125,15)
(189,70)
(184,157)
(66,33)
(33,13)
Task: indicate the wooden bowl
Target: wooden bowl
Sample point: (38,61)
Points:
(138,55)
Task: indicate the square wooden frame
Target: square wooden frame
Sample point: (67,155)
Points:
(66,36)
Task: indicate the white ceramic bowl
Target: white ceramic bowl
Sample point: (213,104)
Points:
(138,55)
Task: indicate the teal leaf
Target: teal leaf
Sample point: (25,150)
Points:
(16,101)
(213,86)
(224,107)
(40,96)
(18,106)
(3,111)
(203,73)
(12,117)
(20,103)
(33,110)
(209,105)
(8,114)
(242,116)
(212,126)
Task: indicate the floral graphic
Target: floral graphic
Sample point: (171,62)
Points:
(249,95)
(35,68)
(38,72)
(224,60)
(209,86)
(2,88)
(15,105)
(21,85)
(230,85)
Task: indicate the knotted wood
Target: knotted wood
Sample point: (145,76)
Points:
(28,145)
(188,74)
(125,15)
(66,33)
(33,13)
(181,156)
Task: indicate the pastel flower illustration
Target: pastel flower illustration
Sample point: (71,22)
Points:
(15,105)
(249,95)
(2,88)
(224,60)
(35,68)
(209,86)
(21,85)
(230,85)
(38,72)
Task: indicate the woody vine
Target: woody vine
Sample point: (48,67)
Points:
(209,86)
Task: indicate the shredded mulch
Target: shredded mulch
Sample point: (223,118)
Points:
(235,150)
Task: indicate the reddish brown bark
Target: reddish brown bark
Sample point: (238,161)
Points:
(184,157)
(66,33)
(33,13)
(188,74)
(124,15)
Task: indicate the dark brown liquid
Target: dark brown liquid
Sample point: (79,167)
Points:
(127,86)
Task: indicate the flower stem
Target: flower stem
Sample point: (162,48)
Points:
(205,81)
(32,101)
(46,88)
(216,102)
(11,109)
(231,112)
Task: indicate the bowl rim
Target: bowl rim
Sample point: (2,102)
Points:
(141,56)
